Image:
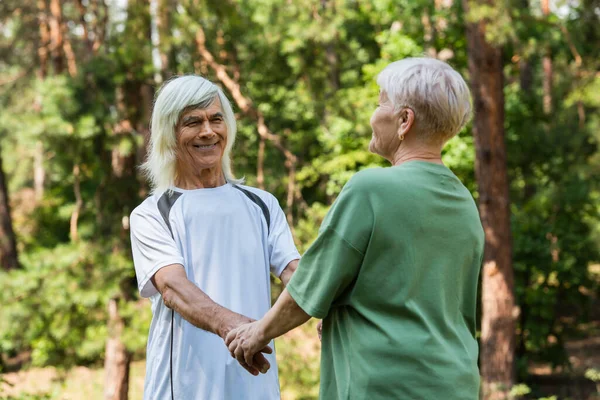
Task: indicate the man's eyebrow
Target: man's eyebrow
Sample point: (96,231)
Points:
(191,118)
(217,114)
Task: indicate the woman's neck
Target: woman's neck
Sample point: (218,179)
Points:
(408,151)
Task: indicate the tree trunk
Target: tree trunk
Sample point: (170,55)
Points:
(100,23)
(525,68)
(78,203)
(260,164)
(547,66)
(525,76)
(69,53)
(39,173)
(84,25)
(117,360)
(44,39)
(498,324)
(8,246)
(56,36)
(134,99)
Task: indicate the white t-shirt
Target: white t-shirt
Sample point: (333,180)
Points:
(221,238)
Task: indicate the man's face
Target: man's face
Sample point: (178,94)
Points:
(201,138)
(384,122)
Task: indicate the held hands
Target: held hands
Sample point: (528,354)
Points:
(246,342)
(258,362)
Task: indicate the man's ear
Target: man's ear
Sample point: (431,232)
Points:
(406,120)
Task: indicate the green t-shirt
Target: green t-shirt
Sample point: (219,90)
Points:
(394,274)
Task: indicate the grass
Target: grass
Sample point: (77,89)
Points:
(297,357)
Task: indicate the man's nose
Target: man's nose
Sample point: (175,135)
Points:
(206,130)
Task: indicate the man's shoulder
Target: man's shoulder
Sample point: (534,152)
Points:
(265,196)
(148,206)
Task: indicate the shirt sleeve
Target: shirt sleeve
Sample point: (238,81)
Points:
(153,248)
(334,260)
(282,249)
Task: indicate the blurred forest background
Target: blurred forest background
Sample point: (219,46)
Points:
(77,80)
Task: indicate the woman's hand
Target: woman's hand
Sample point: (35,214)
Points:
(246,341)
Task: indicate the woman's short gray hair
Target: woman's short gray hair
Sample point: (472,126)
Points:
(437,94)
(173,98)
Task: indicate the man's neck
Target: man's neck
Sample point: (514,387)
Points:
(204,179)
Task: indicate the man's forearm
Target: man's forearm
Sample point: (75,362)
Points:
(199,309)
(195,306)
(285,315)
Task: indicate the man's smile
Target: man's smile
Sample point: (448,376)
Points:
(205,146)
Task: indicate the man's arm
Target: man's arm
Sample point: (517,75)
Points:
(287,273)
(181,295)
(193,304)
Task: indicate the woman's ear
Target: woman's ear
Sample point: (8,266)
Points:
(406,120)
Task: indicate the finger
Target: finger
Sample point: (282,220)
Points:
(250,369)
(260,362)
(232,346)
(230,337)
(239,354)
(267,350)
(249,357)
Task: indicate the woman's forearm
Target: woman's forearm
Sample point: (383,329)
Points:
(284,316)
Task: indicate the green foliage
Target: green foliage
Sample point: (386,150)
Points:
(593,375)
(309,67)
(519,390)
(56,304)
(298,355)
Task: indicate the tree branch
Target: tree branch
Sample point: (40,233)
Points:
(245,104)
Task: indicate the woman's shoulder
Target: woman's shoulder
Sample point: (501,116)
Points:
(372,177)
(368,175)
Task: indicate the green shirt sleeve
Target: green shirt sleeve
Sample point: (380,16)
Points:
(333,261)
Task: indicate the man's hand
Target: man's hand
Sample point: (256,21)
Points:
(320,329)
(258,362)
(246,341)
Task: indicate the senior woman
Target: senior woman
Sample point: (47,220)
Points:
(395,267)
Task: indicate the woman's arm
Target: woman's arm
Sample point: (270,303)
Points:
(245,341)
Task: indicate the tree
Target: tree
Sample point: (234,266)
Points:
(497,325)
(8,247)
(76,87)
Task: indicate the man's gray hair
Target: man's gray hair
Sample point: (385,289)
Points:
(173,98)
(437,94)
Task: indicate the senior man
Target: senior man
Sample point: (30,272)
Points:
(395,267)
(204,247)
